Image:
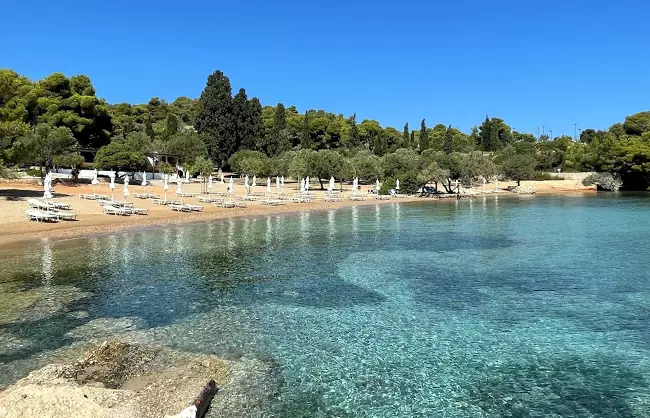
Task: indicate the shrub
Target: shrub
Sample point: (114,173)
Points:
(410,184)
(542,175)
(34,172)
(388,184)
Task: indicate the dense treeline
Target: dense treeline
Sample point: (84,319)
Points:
(50,121)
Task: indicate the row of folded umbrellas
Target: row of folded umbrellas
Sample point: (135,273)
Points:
(279,183)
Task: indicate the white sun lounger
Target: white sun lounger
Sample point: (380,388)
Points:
(40,216)
(34,203)
(138,211)
(68,216)
(112,210)
(179,208)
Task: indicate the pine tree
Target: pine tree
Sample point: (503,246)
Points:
(354,139)
(214,121)
(424,137)
(448,145)
(305,133)
(406,137)
(484,135)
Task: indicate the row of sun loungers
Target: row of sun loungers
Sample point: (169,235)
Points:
(48,211)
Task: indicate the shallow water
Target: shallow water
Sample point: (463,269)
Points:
(492,307)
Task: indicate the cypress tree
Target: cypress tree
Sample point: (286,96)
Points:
(412,144)
(256,134)
(424,137)
(448,145)
(278,141)
(305,133)
(171,125)
(406,138)
(241,120)
(148,129)
(354,139)
(214,120)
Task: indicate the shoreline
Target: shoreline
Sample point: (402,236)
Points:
(18,239)
(16,232)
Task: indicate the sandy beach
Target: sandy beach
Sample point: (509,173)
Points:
(16,230)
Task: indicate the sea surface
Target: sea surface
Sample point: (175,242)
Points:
(494,307)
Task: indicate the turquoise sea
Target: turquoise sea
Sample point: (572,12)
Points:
(495,307)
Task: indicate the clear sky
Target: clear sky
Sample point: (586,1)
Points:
(544,63)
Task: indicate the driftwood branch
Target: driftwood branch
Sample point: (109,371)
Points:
(201,404)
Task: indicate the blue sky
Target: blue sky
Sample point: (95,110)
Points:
(551,63)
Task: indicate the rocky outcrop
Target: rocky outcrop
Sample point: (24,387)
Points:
(603,181)
(119,380)
(522,190)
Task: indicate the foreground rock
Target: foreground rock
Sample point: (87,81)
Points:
(119,380)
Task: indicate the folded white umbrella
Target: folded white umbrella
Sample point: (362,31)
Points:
(210,182)
(231,185)
(277,183)
(187,176)
(377,186)
(126,186)
(282,181)
(254,181)
(268,185)
(165,185)
(47,186)
(307,184)
(397,184)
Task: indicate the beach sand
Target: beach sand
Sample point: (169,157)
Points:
(16,231)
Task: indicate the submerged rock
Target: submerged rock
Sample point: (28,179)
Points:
(125,380)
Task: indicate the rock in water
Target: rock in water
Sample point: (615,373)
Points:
(120,380)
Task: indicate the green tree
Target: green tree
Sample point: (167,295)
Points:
(250,162)
(424,137)
(406,137)
(188,146)
(148,129)
(302,164)
(214,120)
(367,166)
(327,163)
(203,167)
(44,143)
(400,163)
(118,156)
(353,138)
(278,141)
(448,146)
(305,133)
(171,126)
(519,167)
(413,144)
(631,161)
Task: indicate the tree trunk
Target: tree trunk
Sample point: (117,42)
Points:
(518,182)
(321,183)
